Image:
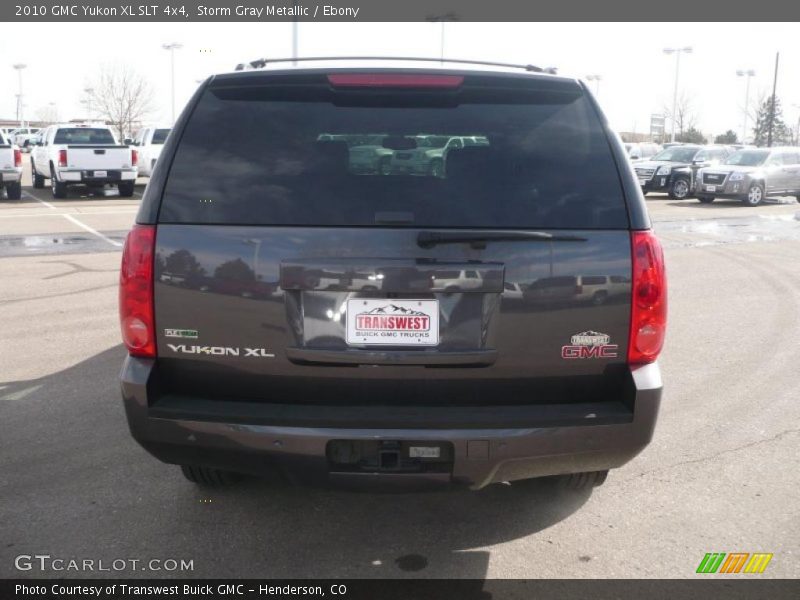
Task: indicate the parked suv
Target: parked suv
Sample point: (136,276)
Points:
(673,169)
(386,351)
(751,174)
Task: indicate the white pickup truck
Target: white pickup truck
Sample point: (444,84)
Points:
(148,143)
(10,169)
(82,154)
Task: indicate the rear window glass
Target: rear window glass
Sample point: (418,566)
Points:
(160,136)
(498,152)
(83,135)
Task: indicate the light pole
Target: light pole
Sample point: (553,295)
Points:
(295,39)
(677,52)
(89,91)
(747,74)
(441,19)
(172,47)
(20,114)
(596,78)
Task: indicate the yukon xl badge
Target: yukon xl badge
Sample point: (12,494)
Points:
(220,351)
(589,344)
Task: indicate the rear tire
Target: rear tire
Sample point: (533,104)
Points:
(385,166)
(706,199)
(14,190)
(38,180)
(59,188)
(583,481)
(126,189)
(208,477)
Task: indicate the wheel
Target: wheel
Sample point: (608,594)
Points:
(59,188)
(14,190)
(706,199)
(208,477)
(385,166)
(38,180)
(436,169)
(583,481)
(599,298)
(755,195)
(679,190)
(126,189)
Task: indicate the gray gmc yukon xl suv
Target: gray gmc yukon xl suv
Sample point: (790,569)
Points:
(284,310)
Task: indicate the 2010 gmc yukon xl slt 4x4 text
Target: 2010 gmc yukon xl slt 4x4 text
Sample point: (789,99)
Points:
(285,309)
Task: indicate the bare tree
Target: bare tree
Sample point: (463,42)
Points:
(121,96)
(685,113)
(48,114)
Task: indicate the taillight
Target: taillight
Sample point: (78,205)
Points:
(136,313)
(17,157)
(578,289)
(649,306)
(134,158)
(403,80)
(62,158)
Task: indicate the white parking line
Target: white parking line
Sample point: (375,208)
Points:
(47,204)
(90,230)
(49,214)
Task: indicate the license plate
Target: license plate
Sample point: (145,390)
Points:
(385,321)
(424,452)
(101,173)
(711,188)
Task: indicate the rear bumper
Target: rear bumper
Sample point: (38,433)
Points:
(10,175)
(566,440)
(84,176)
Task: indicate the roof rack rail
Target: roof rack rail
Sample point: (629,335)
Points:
(260,63)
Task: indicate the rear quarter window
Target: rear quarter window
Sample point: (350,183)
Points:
(304,154)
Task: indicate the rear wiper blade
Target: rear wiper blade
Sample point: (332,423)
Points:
(429,239)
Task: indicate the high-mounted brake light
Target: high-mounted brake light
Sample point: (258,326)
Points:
(136,314)
(395,80)
(649,306)
(62,158)
(134,158)
(17,157)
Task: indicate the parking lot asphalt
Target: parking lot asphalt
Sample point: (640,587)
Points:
(721,475)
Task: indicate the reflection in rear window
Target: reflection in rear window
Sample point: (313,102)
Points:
(526,153)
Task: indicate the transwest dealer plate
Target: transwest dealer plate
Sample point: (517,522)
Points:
(392,322)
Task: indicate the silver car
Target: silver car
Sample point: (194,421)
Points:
(751,174)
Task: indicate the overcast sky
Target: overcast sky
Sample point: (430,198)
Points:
(637,77)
